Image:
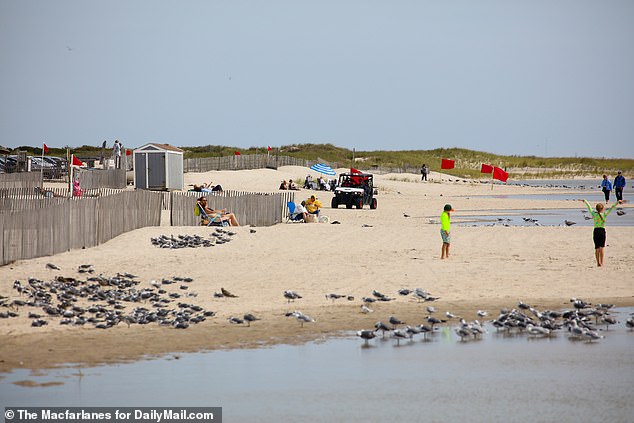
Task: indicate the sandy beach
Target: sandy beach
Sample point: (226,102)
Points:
(382,249)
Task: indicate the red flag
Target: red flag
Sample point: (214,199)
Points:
(237,153)
(45,149)
(128,152)
(269,148)
(500,174)
(354,171)
(486,168)
(77,162)
(447,164)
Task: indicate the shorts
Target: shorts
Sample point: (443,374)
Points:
(446,238)
(599,237)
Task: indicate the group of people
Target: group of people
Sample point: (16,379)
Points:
(207,188)
(322,184)
(308,207)
(619,184)
(599,216)
(290,185)
(212,214)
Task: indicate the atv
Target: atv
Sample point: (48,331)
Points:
(354,189)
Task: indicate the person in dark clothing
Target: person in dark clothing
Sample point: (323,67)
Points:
(606,187)
(619,184)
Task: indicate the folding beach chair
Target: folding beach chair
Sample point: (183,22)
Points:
(215,221)
(292,216)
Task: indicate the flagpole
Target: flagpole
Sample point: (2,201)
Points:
(42,169)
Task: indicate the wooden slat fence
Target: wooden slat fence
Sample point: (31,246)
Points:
(255,209)
(101,178)
(247,161)
(48,226)
(27,180)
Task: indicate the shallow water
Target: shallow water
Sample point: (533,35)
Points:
(499,378)
(544,217)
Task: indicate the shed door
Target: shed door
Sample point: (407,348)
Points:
(139,170)
(156,170)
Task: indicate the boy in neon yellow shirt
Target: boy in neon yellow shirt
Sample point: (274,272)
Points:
(445,228)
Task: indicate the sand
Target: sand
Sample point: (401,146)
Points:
(489,268)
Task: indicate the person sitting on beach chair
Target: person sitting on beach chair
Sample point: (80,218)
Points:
(213,216)
(292,185)
(297,212)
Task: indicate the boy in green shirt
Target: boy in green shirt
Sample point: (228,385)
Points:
(445,228)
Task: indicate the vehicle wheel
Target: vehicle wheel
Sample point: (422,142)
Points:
(359,203)
(373,204)
(349,205)
(334,203)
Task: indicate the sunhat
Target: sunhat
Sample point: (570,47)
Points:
(448,208)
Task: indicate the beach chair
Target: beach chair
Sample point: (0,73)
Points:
(292,216)
(215,221)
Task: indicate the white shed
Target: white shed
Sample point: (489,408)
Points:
(158,167)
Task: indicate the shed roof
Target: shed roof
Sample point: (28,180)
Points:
(158,146)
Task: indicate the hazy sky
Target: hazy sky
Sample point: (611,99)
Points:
(542,77)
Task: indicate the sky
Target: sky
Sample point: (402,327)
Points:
(538,77)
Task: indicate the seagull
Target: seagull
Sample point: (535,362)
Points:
(536,330)
(291,295)
(382,327)
(434,321)
(366,335)
(365,309)
(52,266)
(404,291)
(591,335)
(334,297)
(302,318)
(431,309)
(227,293)
(394,321)
(399,334)
(450,315)
(250,318)
(620,212)
(405,215)
(482,313)
(235,320)
(629,323)
(569,222)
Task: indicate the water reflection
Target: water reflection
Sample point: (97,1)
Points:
(503,377)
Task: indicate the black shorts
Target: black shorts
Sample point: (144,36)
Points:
(599,237)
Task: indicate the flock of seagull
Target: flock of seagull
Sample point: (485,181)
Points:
(581,322)
(218,237)
(107,299)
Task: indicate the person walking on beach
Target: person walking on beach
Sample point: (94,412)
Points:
(424,171)
(445,228)
(606,187)
(599,229)
(619,184)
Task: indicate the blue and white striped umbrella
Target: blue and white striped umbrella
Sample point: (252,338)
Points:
(322,168)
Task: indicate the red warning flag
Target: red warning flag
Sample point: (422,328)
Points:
(354,171)
(46,150)
(237,153)
(268,148)
(500,174)
(447,164)
(76,161)
(486,168)
(128,152)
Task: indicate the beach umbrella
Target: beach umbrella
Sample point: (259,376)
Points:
(322,168)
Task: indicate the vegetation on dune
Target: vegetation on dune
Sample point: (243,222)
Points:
(467,162)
